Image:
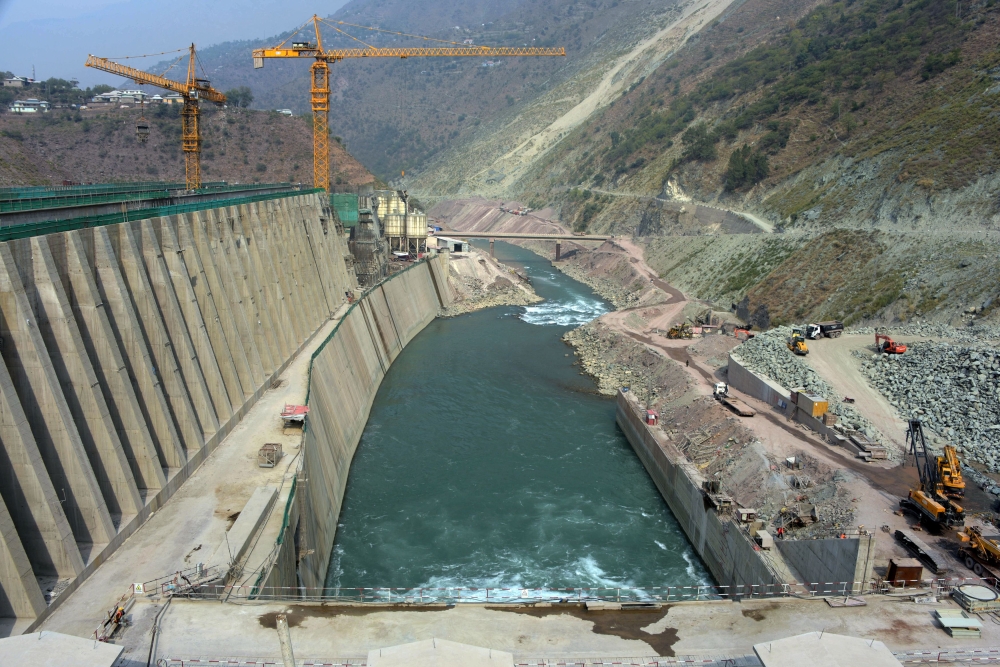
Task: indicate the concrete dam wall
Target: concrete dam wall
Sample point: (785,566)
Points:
(130,350)
(720,542)
(345,375)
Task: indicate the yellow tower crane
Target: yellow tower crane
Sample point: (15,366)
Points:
(193,90)
(320,89)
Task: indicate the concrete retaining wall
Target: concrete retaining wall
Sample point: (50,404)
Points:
(130,351)
(830,563)
(746,381)
(720,542)
(345,375)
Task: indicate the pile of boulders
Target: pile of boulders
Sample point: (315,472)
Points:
(972,334)
(767,354)
(953,389)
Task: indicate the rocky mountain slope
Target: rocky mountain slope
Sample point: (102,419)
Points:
(99,145)
(398,114)
(862,133)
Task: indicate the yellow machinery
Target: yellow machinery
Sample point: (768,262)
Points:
(682,330)
(980,550)
(797,342)
(929,500)
(950,473)
(193,90)
(320,89)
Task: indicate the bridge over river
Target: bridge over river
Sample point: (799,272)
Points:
(509,236)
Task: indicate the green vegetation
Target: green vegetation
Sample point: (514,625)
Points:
(241,97)
(746,167)
(583,206)
(838,49)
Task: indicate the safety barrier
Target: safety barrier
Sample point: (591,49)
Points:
(55,226)
(628,595)
(114,195)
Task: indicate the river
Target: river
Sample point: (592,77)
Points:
(490,461)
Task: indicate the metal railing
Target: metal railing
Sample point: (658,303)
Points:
(21,202)
(54,226)
(624,595)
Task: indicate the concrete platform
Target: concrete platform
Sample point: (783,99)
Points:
(708,629)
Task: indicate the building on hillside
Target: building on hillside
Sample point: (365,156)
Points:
(121,97)
(450,244)
(173,98)
(17,82)
(285,112)
(29,106)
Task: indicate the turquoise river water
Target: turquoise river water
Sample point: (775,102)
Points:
(490,461)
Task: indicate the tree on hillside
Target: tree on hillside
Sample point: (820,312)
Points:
(746,167)
(241,97)
(699,143)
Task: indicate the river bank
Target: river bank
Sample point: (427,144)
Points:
(480,281)
(490,461)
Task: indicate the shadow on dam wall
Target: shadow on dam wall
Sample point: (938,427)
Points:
(130,350)
(344,376)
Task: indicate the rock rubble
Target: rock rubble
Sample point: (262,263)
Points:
(953,388)
(767,354)
(621,297)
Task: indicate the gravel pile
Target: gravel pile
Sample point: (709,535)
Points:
(767,354)
(953,389)
(473,294)
(972,334)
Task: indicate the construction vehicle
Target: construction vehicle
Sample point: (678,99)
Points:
(721,393)
(831,329)
(950,473)
(929,501)
(682,330)
(320,77)
(981,553)
(193,91)
(797,342)
(886,345)
(743,334)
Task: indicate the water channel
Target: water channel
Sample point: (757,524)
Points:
(490,461)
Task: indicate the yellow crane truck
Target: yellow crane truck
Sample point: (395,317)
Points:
(950,473)
(981,553)
(929,501)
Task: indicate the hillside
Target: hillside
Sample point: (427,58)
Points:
(398,114)
(864,132)
(99,145)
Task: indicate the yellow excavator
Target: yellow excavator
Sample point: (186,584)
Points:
(682,330)
(929,501)
(797,342)
(950,473)
(981,553)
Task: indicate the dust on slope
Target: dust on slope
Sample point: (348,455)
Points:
(498,157)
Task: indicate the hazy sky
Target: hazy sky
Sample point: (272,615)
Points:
(55,36)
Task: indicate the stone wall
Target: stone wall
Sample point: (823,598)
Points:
(130,351)
(345,375)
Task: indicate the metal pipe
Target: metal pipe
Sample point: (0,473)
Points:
(285,639)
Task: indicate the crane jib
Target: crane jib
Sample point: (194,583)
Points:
(320,78)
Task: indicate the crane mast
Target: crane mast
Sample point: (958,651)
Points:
(193,91)
(320,77)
